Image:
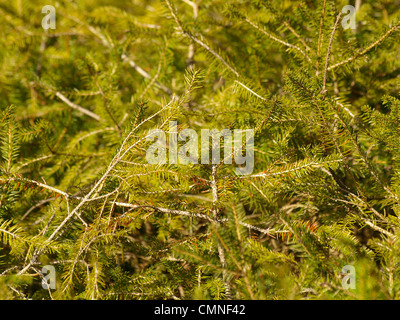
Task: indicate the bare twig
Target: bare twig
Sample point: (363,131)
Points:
(328,53)
(77,107)
(321,25)
(145,74)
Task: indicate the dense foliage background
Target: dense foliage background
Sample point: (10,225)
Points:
(76,191)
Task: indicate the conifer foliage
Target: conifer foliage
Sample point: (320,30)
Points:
(78,103)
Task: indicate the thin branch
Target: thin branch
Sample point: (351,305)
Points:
(270,174)
(191,51)
(124,57)
(169,211)
(364,51)
(287,44)
(251,91)
(76,107)
(39,204)
(321,25)
(328,53)
(198,41)
(145,74)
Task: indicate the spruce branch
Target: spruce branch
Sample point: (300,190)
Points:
(268,5)
(272,37)
(361,53)
(198,41)
(124,55)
